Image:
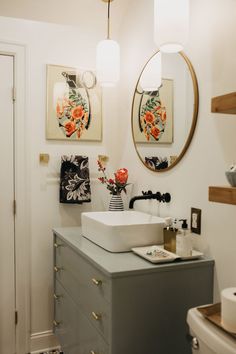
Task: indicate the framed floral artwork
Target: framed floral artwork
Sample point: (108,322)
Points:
(74,110)
(153,115)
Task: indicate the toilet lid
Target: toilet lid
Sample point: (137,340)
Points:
(216,339)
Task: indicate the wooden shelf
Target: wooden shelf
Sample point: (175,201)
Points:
(225,195)
(224,104)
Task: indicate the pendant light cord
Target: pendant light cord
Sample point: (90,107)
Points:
(108,20)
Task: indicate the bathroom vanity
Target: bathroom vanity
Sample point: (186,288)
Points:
(108,303)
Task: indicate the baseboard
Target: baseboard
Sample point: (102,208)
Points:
(43,342)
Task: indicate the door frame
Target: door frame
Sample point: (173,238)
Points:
(22,216)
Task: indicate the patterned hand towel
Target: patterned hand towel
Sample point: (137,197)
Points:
(74,180)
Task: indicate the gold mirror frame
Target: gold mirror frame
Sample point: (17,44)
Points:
(194,119)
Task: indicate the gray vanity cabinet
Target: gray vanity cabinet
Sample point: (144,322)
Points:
(121,304)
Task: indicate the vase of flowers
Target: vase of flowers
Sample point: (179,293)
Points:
(115,185)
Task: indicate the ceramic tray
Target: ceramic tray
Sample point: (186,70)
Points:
(161,255)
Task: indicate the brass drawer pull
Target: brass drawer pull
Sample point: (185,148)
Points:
(56,323)
(96,281)
(57,269)
(96,316)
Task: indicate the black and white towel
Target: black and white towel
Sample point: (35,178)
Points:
(156,163)
(74,180)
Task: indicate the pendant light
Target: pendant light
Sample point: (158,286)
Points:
(171,24)
(108,58)
(151,77)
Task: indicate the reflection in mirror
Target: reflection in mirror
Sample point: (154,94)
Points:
(164,118)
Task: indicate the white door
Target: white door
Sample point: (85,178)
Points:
(7,240)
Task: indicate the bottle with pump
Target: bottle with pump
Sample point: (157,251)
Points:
(169,234)
(184,240)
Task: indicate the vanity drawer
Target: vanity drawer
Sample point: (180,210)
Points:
(74,331)
(83,272)
(86,285)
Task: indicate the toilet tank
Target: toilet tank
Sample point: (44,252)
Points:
(211,339)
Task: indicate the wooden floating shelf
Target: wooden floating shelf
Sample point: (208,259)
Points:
(225,195)
(224,104)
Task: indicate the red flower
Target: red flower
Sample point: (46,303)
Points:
(149,117)
(101,179)
(121,176)
(117,185)
(77,112)
(155,132)
(70,128)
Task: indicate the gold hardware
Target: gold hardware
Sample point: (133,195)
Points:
(103,159)
(56,297)
(57,269)
(56,245)
(43,158)
(96,316)
(96,281)
(92,352)
(56,323)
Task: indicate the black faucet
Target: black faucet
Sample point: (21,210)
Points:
(165,197)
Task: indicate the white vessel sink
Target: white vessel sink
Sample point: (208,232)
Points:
(119,231)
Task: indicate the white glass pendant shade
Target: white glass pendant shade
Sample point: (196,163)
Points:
(150,79)
(108,62)
(171,24)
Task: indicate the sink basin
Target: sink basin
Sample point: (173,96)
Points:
(119,231)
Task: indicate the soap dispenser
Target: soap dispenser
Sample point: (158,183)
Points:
(170,233)
(184,240)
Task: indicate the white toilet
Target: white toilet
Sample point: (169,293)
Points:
(208,338)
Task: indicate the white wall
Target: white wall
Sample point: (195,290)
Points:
(212,50)
(68,46)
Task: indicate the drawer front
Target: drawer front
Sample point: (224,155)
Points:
(74,331)
(88,287)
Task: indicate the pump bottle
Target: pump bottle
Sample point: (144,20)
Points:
(184,240)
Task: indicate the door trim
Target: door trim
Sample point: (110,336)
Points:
(22,217)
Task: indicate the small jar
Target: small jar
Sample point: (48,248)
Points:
(170,239)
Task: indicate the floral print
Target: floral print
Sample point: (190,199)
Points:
(152,118)
(74,183)
(70,128)
(72,111)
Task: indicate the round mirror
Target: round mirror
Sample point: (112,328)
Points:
(165,109)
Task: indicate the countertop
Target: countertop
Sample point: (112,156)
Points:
(120,264)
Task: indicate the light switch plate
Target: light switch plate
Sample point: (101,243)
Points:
(196,220)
